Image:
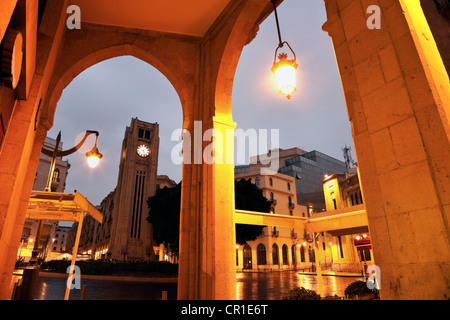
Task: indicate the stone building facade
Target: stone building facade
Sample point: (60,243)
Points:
(281,248)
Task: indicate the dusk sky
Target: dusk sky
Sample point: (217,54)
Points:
(106,96)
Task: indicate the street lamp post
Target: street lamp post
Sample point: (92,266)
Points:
(93,158)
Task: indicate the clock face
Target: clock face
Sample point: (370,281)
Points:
(143,150)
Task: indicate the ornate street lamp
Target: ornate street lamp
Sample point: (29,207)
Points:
(284,70)
(93,158)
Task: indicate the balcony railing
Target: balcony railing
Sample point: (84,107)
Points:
(275,233)
(293,235)
(292,205)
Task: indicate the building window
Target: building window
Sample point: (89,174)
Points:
(302,254)
(288,186)
(312,254)
(257,181)
(261,255)
(340,247)
(271,196)
(334,203)
(294,254)
(247,257)
(284,250)
(270,182)
(275,254)
(56,175)
(365,255)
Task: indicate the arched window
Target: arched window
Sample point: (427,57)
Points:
(271,196)
(247,257)
(275,260)
(302,254)
(270,182)
(290,200)
(284,250)
(257,181)
(288,186)
(312,254)
(294,254)
(261,255)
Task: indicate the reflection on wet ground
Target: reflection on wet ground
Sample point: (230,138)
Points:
(249,286)
(271,285)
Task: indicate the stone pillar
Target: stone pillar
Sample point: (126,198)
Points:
(398,100)
(207,265)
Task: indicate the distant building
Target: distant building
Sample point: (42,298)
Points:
(352,245)
(60,173)
(58,184)
(60,239)
(307,168)
(276,248)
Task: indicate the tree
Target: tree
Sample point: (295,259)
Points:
(164,214)
(250,198)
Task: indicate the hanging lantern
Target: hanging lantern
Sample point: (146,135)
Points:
(284,70)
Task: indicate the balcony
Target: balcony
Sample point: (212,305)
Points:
(293,235)
(275,233)
(273,202)
(291,205)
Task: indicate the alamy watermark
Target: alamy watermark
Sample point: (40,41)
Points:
(374,280)
(74,20)
(74,279)
(214,146)
(374,20)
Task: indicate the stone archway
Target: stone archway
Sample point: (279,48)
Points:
(95,44)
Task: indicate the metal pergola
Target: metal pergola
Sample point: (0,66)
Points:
(62,207)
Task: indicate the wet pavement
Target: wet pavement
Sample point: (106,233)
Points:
(249,286)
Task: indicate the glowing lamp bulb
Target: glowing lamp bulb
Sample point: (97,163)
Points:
(93,161)
(285,72)
(93,157)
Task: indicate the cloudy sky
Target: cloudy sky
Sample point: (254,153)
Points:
(106,96)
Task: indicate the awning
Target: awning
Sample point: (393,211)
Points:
(363,244)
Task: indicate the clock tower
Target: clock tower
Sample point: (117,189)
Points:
(131,234)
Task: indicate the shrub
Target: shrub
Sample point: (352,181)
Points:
(300,294)
(358,288)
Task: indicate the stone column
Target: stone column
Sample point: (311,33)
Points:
(207,265)
(398,100)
